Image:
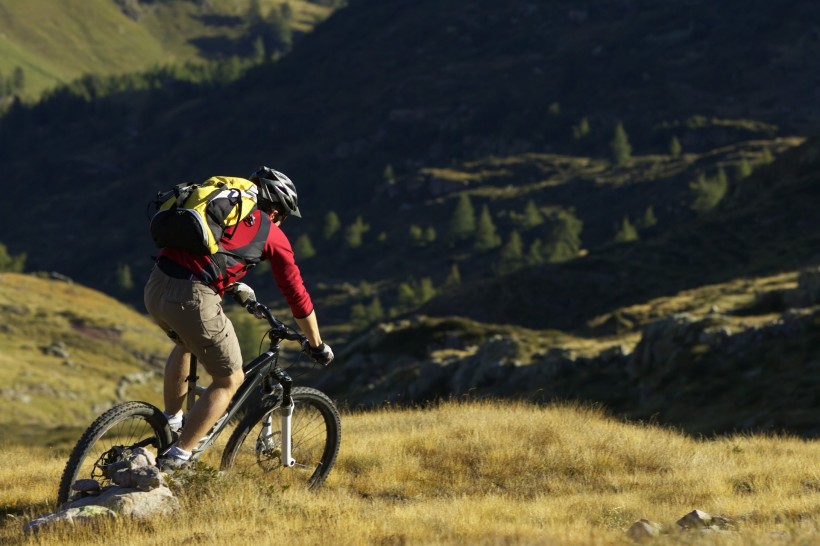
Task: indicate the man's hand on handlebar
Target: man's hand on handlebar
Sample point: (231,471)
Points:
(242,293)
(322,354)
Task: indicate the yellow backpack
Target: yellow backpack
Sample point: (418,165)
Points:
(195,217)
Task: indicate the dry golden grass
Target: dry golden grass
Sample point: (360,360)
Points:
(473,473)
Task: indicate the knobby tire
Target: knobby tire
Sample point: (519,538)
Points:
(147,421)
(316,434)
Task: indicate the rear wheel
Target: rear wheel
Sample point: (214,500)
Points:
(110,439)
(254,448)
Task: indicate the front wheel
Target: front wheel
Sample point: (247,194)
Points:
(254,448)
(110,439)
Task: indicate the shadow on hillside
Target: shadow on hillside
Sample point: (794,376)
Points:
(229,21)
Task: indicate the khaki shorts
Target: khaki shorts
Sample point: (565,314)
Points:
(191,314)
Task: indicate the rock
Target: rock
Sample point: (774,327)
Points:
(696,519)
(643,529)
(86,486)
(143,478)
(80,514)
(132,502)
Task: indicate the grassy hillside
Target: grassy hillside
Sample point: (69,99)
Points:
(477,473)
(67,353)
(55,42)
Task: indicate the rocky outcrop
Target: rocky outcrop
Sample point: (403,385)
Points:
(681,370)
(139,491)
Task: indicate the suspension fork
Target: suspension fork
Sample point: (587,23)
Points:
(286,414)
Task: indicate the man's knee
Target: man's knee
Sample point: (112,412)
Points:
(230,382)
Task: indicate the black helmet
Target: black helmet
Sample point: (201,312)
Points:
(276,190)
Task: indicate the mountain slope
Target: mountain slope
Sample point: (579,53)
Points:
(768,225)
(68,352)
(413,85)
(55,42)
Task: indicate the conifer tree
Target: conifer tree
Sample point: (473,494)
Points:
(675,147)
(416,235)
(429,235)
(359,316)
(511,256)
(303,248)
(453,277)
(581,130)
(354,233)
(743,169)
(485,233)
(532,216)
(708,192)
(425,290)
(125,281)
(9,263)
(406,298)
(332,225)
(621,149)
(626,232)
(648,219)
(375,310)
(462,224)
(766,156)
(389,174)
(535,254)
(564,239)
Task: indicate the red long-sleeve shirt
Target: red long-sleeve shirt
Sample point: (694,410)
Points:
(255,239)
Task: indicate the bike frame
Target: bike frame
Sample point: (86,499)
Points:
(256,372)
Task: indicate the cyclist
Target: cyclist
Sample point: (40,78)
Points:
(184,294)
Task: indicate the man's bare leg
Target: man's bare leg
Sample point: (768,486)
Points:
(208,409)
(175,385)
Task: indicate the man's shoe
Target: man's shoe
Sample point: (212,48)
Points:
(171,465)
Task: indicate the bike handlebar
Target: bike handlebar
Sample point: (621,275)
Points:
(278,328)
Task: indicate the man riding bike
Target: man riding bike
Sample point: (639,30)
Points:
(184,295)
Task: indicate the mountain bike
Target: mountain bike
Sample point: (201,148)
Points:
(287,435)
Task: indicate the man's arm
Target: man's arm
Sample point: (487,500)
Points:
(310,327)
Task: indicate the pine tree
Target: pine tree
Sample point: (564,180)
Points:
(485,233)
(259,54)
(648,219)
(430,235)
(406,298)
(511,256)
(532,216)
(621,149)
(766,156)
(389,174)
(375,310)
(708,192)
(332,225)
(354,233)
(359,316)
(416,235)
(581,130)
(675,147)
(564,239)
(124,280)
(9,263)
(462,224)
(303,248)
(535,254)
(743,169)
(453,277)
(425,290)
(627,232)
